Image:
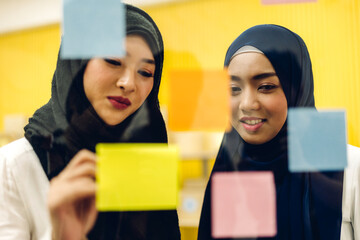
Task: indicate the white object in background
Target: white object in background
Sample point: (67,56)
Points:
(23,14)
(14,125)
(212,142)
(18,15)
(190,204)
(190,143)
(190,199)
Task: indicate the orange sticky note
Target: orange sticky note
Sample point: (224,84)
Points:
(199,100)
(243,205)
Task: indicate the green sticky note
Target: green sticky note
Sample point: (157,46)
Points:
(136,177)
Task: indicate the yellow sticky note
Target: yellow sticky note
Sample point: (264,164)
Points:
(199,100)
(135,177)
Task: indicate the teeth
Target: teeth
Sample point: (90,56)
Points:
(253,122)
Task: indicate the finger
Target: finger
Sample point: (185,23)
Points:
(81,188)
(85,170)
(62,193)
(92,215)
(83,155)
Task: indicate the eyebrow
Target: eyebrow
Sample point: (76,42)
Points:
(235,78)
(145,60)
(256,77)
(264,75)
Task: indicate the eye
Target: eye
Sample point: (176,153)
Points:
(145,73)
(267,87)
(112,62)
(235,90)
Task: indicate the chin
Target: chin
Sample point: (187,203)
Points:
(255,140)
(250,139)
(113,122)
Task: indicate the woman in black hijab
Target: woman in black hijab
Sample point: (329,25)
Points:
(270,71)
(93,100)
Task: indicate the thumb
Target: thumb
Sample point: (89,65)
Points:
(91,217)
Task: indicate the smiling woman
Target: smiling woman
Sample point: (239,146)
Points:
(258,102)
(270,71)
(93,100)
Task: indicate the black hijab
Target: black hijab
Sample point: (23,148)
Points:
(305,210)
(68,123)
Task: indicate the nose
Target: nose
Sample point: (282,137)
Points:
(126,81)
(249,101)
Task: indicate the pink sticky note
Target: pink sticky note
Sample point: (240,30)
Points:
(285,1)
(243,205)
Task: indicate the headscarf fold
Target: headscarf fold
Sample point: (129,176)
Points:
(303,210)
(69,123)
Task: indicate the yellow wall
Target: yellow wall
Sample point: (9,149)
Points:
(198,33)
(27,63)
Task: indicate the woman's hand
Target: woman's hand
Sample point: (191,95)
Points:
(71,198)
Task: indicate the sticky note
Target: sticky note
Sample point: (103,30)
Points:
(198,100)
(134,177)
(316,140)
(93,28)
(285,1)
(243,204)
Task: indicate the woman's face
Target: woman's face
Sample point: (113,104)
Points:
(258,102)
(117,87)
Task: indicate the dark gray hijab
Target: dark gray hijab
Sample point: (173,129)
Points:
(68,104)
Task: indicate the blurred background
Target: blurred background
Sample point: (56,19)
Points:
(196,35)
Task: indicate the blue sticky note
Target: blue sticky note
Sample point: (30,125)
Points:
(93,28)
(316,140)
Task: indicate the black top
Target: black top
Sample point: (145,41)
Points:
(68,123)
(308,204)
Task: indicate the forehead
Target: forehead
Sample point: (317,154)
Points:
(250,63)
(136,45)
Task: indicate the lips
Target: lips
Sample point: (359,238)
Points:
(252,124)
(119,102)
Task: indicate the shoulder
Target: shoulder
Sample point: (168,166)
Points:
(16,149)
(23,189)
(19,154)
(352,171)
(353,156)
(20,165)
(19,161)
(21,168)
(351,188)
(351,194)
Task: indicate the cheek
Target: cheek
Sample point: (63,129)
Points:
(94,80)
(92,88)
(146,90)
(283,114)
(88,83)
(234,104)
(98,84)
(278,107)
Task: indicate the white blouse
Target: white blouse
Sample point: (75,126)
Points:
(23,194)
